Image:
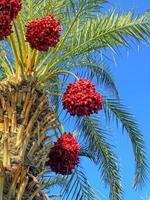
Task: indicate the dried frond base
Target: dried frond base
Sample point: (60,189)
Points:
(25,118)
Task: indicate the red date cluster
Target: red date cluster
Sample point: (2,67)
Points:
(9,10)
(63,157)
(43,33)
(82,99)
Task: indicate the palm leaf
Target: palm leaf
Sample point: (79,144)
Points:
(55,181)
(97,70)
(78,187)
(109,31)
(101,150)
(113,108)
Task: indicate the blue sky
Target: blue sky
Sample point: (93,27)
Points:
(131,70)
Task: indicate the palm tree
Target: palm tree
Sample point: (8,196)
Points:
(31,88)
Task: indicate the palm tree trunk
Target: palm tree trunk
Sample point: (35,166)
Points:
(25,118)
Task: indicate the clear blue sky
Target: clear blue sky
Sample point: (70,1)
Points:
(132,75)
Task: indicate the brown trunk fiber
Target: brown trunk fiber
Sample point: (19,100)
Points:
(25,118)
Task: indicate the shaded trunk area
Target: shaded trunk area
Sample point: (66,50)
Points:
(25,118)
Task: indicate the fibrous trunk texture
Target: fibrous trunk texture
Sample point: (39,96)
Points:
(25,118)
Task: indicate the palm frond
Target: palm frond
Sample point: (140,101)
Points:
(66,7)
(53,86)
(55,181)
(113,108)
(107,31)
(92,70)
(6,62)
(106,160)
(90,9)
(40,8)
(97,70)
(78,187)
(2,73)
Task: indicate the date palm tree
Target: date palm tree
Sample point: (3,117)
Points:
(31,89)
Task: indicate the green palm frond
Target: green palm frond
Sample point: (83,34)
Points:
(2,75)
(6,67)
(39,8)
(93,70)
(97,70)
(114,109)
(106,160)
(90,8)
(62,9)
(88,153)
(78,187)
(53,86)
(54,181)
(107,31)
